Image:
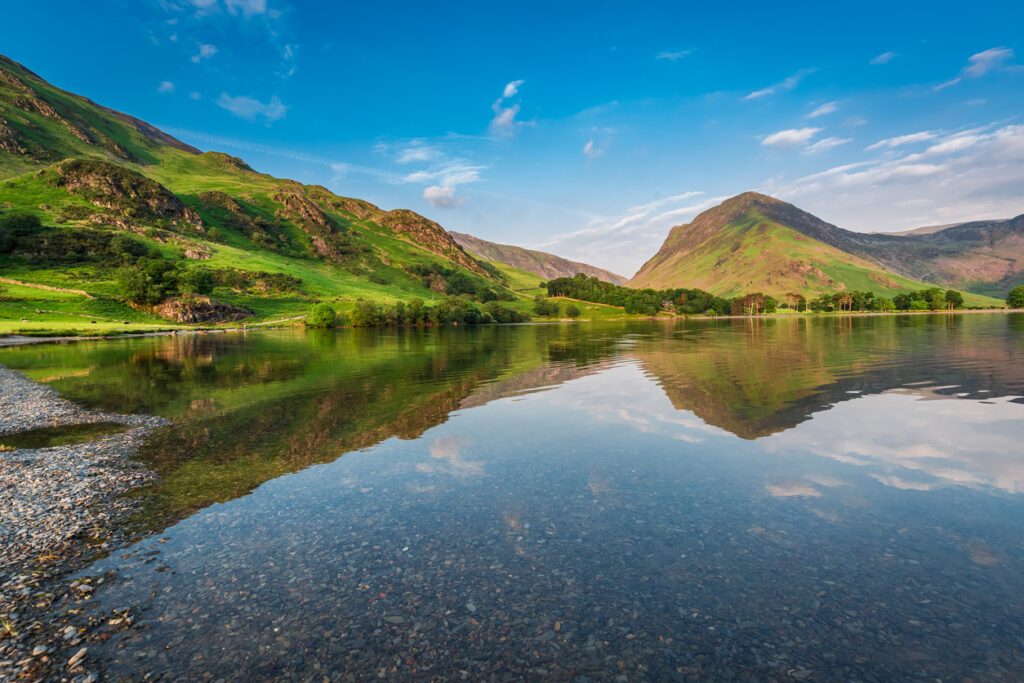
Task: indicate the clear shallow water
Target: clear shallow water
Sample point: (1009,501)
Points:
(822,500)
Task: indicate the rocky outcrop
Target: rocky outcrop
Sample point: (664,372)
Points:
(199,310)
(125,193)
(430,236)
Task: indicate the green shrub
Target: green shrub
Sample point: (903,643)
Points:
(1015,298)
(322,315)
(572,311)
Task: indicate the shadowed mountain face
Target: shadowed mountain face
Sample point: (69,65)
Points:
(546,265)
(754,242)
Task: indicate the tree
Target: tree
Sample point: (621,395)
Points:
(572,311)
(416,311)
(954,299)
(544,307)
(1015,298)
(196,281)
(322,315)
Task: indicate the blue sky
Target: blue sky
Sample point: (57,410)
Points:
(587,129)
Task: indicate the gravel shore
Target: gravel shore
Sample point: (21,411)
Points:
(58,508)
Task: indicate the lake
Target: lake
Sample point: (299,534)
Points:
(818,499)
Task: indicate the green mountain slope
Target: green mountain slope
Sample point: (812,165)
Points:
(91,174)
(756,243)
(546,265)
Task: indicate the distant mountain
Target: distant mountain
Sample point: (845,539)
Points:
(756,243)
(985,257)
(546,265)
(929,229)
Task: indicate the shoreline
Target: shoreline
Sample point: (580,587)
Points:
(61,508)
(9,340)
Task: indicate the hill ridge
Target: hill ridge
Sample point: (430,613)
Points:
(542,263)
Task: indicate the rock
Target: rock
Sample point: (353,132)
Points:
(39,650)
(199,309)
(78,657)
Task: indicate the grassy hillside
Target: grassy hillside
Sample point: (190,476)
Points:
(108,192)
(744,245)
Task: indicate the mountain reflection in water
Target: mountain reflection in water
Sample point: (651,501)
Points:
(725,499)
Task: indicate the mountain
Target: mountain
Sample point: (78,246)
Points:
(753,242)
(273,245)
(756,243)
(546,265)
(984,257)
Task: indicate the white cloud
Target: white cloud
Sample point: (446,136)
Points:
(166,87)
(416,152)
(826,144)
(504,122)
(883,58)
(512,89)
(826,108)
(449,174)
(205,52)
(194,95)
(787,84)
(980,64)
(591,151)
(968,175)
(442,196)
(792,137)
(673,56)
(902,140)
(252,109)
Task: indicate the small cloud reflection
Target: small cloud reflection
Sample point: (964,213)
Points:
(449,459)
(792,488)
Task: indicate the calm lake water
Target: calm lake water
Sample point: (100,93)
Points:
(835,499)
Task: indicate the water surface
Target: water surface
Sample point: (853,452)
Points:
(835,499)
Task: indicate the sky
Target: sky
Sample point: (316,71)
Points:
(587,129)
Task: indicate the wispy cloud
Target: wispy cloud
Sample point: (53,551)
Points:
(980,64)
(826,108)
(792,137)
(901,140)
(247,8)
(512,89)
(785,85)
(591,151)
(951,180)
(205,52)
(673,56)
(166,87)
(504,123)
(826,144)
(883,58)
(624,241)
(417,152)
(449,174)
(251,109)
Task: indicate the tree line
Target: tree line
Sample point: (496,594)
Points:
(415,312)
